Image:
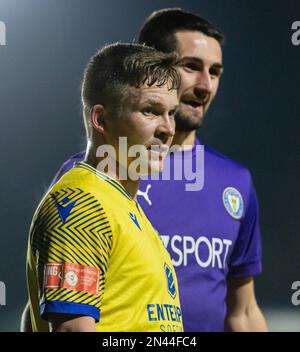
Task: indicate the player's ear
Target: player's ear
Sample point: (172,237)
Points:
(99,118)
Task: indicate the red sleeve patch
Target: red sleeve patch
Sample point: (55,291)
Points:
(71,276)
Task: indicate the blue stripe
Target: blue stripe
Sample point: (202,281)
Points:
(104,228)
(81,254)
(76,214)
(76,295)
(84,202)
(55,293)
(95,301)
(87,253)
(87,228)
(91,240)
(45,251)
(69,308)
(64,253)
(94,210)
(63,292)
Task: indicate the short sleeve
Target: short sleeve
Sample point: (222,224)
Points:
(72,242)
(246,257)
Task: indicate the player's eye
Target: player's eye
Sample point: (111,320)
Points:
(172,113)
(192,66)
(216,72)
(151,111)
(148,111)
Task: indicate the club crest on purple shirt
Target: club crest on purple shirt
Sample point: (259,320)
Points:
(233,202)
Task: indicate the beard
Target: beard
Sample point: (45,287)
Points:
(186,122)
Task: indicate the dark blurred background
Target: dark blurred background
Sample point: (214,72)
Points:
(254,119)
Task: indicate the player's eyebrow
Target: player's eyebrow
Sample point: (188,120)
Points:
(157,103)
(152,101)
(197,60)
(218,66)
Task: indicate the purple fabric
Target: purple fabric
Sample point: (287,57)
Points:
(207,244)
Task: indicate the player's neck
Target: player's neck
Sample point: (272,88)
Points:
(185,140)
(131,186)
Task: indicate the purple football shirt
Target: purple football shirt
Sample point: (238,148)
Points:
(211,234)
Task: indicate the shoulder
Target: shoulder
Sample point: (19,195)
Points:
(83,186)
(221,160)
(229,174)
(230,168)
(77,201)
(67,165)
(74,159)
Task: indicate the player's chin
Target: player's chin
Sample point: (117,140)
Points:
(196,118)
(188,121)
(152,168)
(156,167)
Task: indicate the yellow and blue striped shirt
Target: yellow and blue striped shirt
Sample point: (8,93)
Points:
(92,251)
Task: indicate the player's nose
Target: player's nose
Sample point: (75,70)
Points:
(204,81)
(165,128)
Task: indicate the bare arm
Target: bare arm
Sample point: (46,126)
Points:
(243,313)
(71,323)
(61,322)
(26,320)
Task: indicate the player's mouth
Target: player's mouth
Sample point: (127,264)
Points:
(193,104)
(158,150)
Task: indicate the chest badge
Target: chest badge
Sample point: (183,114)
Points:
(170,281)
(233,202)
